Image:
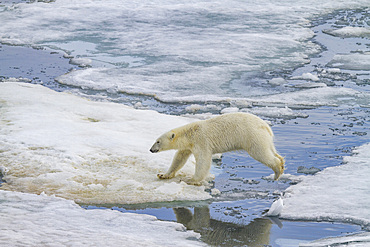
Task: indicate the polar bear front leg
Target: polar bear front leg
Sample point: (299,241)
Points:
(178,162)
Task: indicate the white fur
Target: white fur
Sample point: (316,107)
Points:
(234,131)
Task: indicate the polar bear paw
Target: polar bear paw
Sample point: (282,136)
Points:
(164,176)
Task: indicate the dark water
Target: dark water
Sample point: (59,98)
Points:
(39,66)
(235,218)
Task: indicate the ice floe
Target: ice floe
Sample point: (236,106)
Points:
(280,112)
(353,240)
(317,97)
(306,76)
(350,32)
(91,152)
(353,61)
(276,208)
(41,220)
(80,61)
(335,194)
(172,50)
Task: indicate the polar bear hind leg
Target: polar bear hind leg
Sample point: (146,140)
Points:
(263,150)
(267,155)
(280,167)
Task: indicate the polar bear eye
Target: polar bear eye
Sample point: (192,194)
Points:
(158,142)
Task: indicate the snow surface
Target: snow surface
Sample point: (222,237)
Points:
(40,220)
(90,152)
(335,194)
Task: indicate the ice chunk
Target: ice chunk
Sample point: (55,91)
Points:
(350,32)
(91,152)
(333,70)
(354,61)
(40,220)
(353,240)
(229,110)
(215,192)
(306,76)
(208,107)
(337,193)
(81,61)
(318,97)
(12,79)
(66,55)
(277,81)
(276,208)
(278,112)
(310,85)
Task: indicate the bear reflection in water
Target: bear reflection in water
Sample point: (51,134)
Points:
(219,233)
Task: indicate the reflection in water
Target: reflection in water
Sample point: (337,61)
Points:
(215,232)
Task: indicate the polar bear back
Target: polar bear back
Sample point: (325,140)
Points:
(233,131)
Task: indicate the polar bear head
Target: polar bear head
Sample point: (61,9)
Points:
(164,142)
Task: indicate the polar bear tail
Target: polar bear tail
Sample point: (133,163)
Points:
(280,168)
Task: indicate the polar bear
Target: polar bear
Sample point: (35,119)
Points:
(233,131)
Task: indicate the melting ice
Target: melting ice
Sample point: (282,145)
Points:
(174,50)
(334,194)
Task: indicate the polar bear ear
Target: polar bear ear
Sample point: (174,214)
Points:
(172,136)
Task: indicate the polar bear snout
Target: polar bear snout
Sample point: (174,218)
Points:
(155,147)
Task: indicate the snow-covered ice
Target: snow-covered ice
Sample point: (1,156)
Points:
(318,97)
(339,194)
(80,61)
(349,31)
(353,240)
(91,152)
(306,76)
(354,61)
(281,112)
(276,208)
(335,194)
(41,220)
(172,49)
